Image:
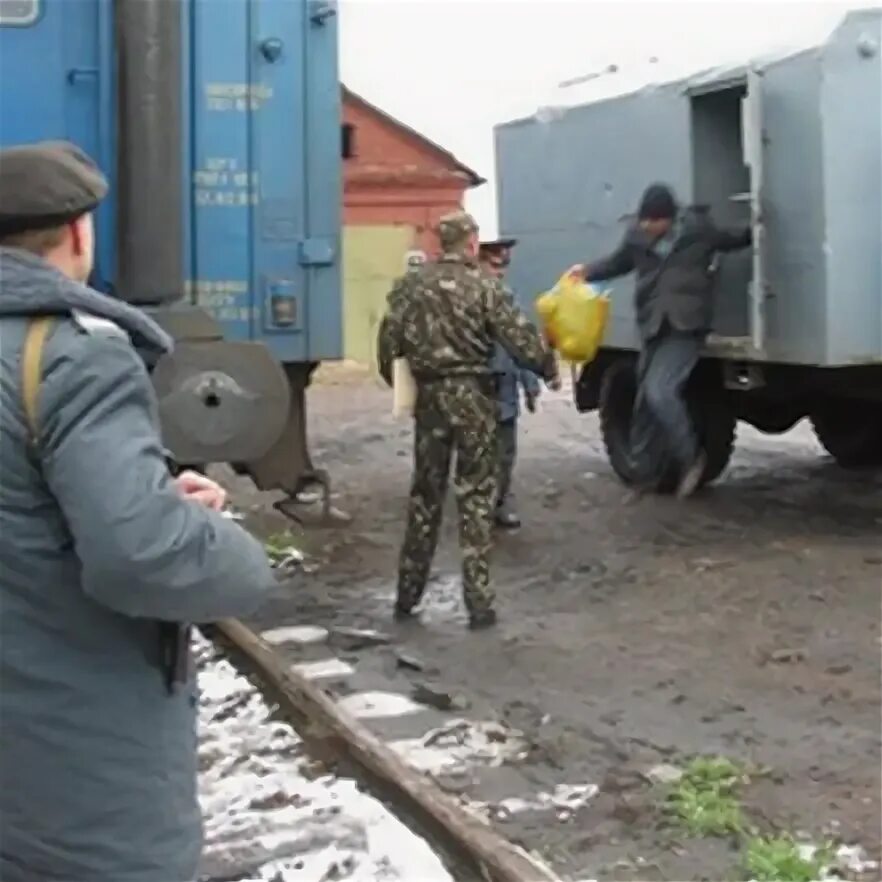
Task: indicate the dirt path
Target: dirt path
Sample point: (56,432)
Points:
(745,623)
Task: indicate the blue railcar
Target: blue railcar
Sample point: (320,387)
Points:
(218,124)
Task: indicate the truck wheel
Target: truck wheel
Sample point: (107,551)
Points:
(618,391)
(852,436)
(716,425)
(714,421)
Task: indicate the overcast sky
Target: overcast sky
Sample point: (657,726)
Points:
(452,69)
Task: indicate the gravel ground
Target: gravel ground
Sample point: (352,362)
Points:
(744,623)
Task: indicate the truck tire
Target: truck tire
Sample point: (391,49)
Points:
(714,420)
(851,435)
(716,425)
(618,390)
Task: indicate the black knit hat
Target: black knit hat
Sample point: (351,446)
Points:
(657,203)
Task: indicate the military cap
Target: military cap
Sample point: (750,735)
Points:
(46,185)
(456,228)
(498,251)
(498,245)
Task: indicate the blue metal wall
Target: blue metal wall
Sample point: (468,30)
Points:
(55,72)
(262,188)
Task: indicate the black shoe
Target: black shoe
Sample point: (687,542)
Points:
(486,618)
(506,517)
(691,479)
(403,613)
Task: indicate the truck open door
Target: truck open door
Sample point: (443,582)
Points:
(754,149)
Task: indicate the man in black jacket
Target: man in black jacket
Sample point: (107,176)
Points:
(672,253)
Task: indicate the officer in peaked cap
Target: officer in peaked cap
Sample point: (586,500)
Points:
(510,380)
(46,185)
(444,319)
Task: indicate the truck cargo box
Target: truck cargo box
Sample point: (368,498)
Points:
(792,144)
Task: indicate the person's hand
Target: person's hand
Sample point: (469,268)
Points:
(192,485)
(579,271)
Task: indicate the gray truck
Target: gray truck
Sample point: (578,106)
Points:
(791,145)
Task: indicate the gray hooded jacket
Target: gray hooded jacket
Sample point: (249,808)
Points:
(98,761)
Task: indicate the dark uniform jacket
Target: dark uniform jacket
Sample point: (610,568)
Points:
(676,288)
(446,317)
(98,761)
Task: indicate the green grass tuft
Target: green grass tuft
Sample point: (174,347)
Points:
(279,545)
(705,800)
(779,859)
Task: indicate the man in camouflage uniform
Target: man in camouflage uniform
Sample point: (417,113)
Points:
(445,319)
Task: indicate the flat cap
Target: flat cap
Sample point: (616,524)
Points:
(455,228)
(45,185)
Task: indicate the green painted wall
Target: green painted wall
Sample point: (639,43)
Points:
(373,257)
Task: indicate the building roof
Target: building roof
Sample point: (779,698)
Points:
(473,178)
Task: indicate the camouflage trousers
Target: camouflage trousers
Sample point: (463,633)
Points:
(452,416)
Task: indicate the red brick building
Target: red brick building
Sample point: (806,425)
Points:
(394,175)
(397,184)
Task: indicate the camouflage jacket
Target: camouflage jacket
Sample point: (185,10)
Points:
(445,318)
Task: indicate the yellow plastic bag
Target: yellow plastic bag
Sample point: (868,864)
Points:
(574,318)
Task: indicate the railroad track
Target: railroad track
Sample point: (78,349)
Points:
(333,735)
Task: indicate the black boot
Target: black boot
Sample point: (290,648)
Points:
(481,619)
(506,516)
(403,613)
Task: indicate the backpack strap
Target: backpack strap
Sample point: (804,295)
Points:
(32,370)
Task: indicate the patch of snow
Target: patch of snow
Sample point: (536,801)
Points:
(268,819)
(324,669)
(304,635)
(378,705)
(853,859)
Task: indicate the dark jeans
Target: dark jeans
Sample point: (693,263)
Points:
(662,428)
(507,451)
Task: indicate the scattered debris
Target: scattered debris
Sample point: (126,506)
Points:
(565,801)
(353,639)
(409,662)
(438,698)
(282,552)
(664,773)
(457,778)
(463,742)
(788,656)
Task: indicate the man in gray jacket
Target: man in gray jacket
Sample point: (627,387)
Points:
(101,551)
(672,252)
